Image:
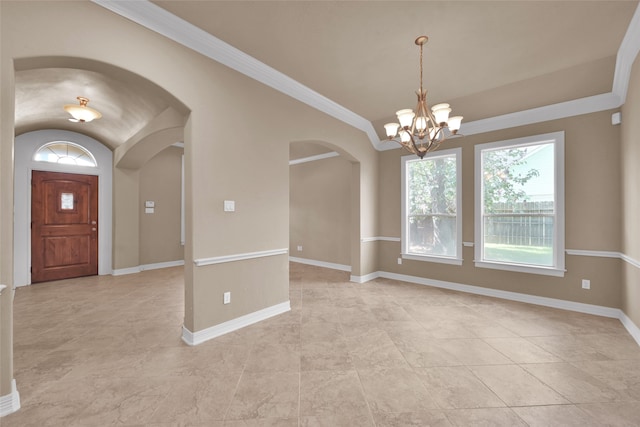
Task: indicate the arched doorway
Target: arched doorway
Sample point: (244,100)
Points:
(324,192)
(27,147)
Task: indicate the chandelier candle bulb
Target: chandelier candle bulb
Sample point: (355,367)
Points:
(421,123)
(405,136)
(441,114)
(454,124)
(391,129)
(405,117)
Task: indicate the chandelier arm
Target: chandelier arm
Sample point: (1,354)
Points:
(404,145)
(415,150)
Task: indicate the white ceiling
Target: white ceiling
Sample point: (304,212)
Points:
(361,54)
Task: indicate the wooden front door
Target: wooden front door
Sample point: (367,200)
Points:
(64,226)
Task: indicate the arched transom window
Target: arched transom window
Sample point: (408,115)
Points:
(66,153)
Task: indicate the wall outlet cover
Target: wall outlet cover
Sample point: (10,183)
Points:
(229,206)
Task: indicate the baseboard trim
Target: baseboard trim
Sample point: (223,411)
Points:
(597,310)
(143,267)
(159,265)
(365,278)
(508,295)
(330,265)
(124,271)
(195,338)
(631,327)
(11,402)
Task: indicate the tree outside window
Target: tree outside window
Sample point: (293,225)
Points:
(519,203)
(431,222)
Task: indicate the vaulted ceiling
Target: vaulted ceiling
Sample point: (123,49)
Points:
(485,58)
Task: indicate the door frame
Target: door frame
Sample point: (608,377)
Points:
(26,146)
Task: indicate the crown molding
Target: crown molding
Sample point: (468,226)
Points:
(627,53)
(313,158)
(177,29)
(165,23)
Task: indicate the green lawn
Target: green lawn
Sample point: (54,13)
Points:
(540,255)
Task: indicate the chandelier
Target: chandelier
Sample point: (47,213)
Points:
(424,130)
(81,113)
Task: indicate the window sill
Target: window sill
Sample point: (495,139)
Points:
(547,271)
(441,260)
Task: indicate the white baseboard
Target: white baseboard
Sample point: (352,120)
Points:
(195,338)
(597,310)
(631,327)
(124,271)
(365,278)
(513,296)
(331,265)
(11,402)
(139,268)
(159,265)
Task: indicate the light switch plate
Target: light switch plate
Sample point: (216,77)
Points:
(149,204)
(229,206)
(149,210)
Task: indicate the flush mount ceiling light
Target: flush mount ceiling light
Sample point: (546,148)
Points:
(81,113)
(424,130)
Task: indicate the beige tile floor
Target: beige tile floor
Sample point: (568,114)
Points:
(107,351)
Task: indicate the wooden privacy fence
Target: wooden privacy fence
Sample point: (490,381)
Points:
(522,224)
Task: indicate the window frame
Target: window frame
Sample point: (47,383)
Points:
(79,147)
(558,268)
(404,240)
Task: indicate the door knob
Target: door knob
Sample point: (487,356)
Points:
(93,223)
(93,229)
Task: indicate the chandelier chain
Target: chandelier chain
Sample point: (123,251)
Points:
(421,46)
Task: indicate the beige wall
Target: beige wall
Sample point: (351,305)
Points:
(224,159)
(631,196)
(161,181)
(126,211)
(592,215)
(6,216)
(320,210)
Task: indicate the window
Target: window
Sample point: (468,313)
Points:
(519,221)
(431,205)
(66,153)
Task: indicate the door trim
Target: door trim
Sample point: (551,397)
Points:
(25,147)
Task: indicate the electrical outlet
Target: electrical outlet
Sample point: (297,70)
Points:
(399,260)
(586,284)
(299,248)
(227,298)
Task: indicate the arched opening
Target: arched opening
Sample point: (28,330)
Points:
(139,120)
(324,192)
